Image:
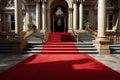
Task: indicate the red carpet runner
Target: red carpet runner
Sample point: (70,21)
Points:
(59,66)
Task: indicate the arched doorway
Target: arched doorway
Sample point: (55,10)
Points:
(59,16)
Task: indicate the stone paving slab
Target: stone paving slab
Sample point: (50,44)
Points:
(112,60)
(11,60)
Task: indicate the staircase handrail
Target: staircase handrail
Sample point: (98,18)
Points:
(75,35)
(44,35)
(91,32)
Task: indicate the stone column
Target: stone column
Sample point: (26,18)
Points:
(81,16)
(27,17)
(18,17)
(44,24)
(70,20)
(19,43)
(38,15)
(0,22)
(101,17)
(101,42)
(49,19)
(75,15)
(118,28)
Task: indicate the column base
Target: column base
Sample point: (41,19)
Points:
(43,30)
(69,30)
(102,45)
(18,46)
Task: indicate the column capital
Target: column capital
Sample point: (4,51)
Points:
(75,1)
(81,1)
(44,1)
(70,10)
(37,0)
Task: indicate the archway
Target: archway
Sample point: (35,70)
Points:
(59,16)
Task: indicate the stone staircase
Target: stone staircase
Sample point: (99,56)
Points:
(83,47)
(115,48)
(86,47)
(5,48)
(33,48)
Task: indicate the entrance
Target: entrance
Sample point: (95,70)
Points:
(59,16)
(59,24)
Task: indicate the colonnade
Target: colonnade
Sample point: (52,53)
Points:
(41,14)
(73,16)
(78,17)
(100,40)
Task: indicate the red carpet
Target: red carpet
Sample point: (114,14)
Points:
(59,43)
(60,67)
(59,37)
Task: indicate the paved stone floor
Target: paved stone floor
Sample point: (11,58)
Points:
(112,60)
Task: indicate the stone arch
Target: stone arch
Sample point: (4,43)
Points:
(52,6)
(69,2)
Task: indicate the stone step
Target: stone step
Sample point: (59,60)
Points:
(5,48)
(83,47)
(52,52)
(115,48)
(36,48)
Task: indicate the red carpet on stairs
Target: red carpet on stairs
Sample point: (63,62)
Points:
(59,43)
(56,66)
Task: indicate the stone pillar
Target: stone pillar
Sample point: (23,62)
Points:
(18,17)
(19,43)
(27,17)
(81,16)
(70,20)
(101,42)
(44,24)
(75,15)
(38,15)
(118,28)
(49,19)
(101,18)
(0,22)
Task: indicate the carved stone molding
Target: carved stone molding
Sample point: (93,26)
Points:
(70,10)
(75,1)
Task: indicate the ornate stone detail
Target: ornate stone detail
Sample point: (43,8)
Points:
(70,10)
(10,3)
(44,1)
(81,1)
(59,12)
(75,1)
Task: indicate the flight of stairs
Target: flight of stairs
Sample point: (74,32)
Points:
(115,48)
(83,47)
(33,48)
(5,48)
(86,47)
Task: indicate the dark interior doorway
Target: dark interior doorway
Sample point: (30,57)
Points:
(59,16)
(59,24)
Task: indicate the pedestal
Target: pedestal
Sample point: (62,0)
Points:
(18,46)
(102,45)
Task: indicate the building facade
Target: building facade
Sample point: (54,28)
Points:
(60,16)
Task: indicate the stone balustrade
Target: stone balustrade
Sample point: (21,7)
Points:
(113,36)
(7,36)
